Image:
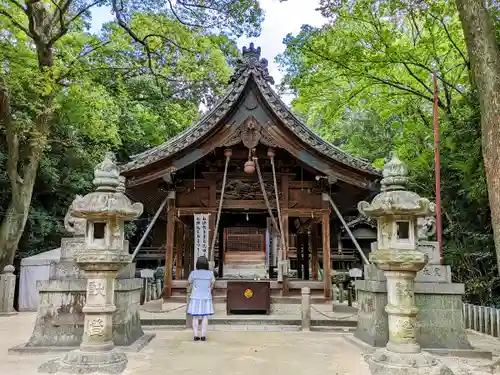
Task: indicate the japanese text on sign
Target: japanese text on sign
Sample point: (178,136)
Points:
(200,235)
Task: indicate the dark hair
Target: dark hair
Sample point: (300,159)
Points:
(202,263)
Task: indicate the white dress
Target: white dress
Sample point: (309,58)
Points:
(200,303)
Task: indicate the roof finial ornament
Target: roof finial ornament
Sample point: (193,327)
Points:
(251,51)
(250,61)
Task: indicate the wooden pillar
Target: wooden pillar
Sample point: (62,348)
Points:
(211,231)
(300,245)
(325,226)
(286,227)
(305,243)
(212,203)
(334,241)
(169,253)
(314,251)
(221,251)
(187,251)
(179,236)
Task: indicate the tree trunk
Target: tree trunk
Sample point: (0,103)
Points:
(484,54)
(21,170)
(13,223)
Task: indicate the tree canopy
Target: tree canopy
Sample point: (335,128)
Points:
(364,81)
(67,95)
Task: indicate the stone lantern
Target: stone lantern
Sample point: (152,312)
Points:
(106,210)
(397,255)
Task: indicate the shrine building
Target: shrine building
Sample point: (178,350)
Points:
(255,190)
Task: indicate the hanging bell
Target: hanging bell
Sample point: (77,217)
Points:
(249,167)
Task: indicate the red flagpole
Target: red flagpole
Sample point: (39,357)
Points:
(437,169)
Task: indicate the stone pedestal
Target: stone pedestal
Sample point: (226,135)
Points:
(399,257)
(60,320)
(306,309)
(105,210)
(439,322)
(7,290)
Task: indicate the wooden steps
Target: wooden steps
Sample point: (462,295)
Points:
(293,296)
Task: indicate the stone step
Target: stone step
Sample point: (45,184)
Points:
(256,266)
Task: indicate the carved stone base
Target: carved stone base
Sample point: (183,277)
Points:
(384,362)
(439,320)
(60,319)
(79,362)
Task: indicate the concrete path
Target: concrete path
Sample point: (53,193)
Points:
(225,353)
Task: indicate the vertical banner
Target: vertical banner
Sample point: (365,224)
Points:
(201,239)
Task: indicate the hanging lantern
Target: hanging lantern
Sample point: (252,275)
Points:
(249,167)
(271,153)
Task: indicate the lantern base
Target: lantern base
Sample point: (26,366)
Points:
(385,362)
(112,361)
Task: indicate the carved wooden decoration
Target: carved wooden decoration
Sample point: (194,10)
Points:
(250,133)
(246,190)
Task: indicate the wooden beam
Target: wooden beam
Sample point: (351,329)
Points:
(229,204)
(303,184)
(291,212)
(169,254)
(216,176)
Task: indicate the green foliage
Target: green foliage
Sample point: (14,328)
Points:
(135,84)
(364,81)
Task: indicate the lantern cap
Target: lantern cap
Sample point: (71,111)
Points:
(394,198)
(108,200)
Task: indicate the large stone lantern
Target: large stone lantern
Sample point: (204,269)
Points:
(397,255)
(106,210)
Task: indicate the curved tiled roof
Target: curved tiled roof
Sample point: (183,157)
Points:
(250,65)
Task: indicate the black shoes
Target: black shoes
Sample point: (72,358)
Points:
(203,338)
(196,338)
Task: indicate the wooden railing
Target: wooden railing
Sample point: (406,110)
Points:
(482,319)
(151,253)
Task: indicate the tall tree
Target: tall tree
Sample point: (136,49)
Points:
(364,82)
(484,52)
(55,50)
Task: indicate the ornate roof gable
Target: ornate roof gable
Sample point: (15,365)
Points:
(248,65)
(250,61)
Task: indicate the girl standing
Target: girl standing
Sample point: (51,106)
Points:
(202,281)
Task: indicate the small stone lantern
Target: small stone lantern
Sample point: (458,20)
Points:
(106,210)
(396,211)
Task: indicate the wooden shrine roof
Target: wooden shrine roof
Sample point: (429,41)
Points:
(250,68)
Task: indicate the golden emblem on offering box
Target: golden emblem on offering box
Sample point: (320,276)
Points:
(248,293)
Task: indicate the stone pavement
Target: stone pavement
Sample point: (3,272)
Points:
(226,352)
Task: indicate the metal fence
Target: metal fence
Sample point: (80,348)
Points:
(482,319)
